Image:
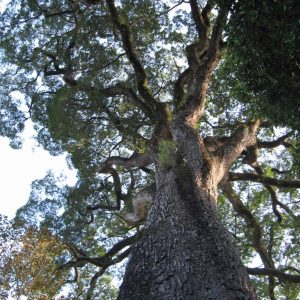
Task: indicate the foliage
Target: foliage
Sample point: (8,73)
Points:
(31,261)
(25,271)
(262,64)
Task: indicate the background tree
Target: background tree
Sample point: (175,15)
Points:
(149,101)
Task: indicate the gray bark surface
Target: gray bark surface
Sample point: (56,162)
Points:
(185,252)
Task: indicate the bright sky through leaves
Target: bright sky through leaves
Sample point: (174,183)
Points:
(18,168)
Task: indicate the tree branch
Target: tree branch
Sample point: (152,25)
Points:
(251,221)
(206,11)
(216,35)
(276,273)
(106,260)
(264,180)
(136,160)
(93,281)
(117,190)
(201,26)
(278,142)
(124,243)
(238,142)
(126,38)
(182,80)
(121,89)
(203,56)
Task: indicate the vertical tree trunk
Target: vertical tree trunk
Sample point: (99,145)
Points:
(185,252)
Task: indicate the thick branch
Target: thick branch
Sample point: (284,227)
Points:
(264,180)
(136,160)
(238,142)
(202,56)
(117,190)
(182,80)
(122,244)
(111,257)
(202,28)
(251,221)
(252,160)
(273,144)
(216,36)
(206,11)
(276,273)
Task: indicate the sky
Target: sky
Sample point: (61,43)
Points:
(18,168)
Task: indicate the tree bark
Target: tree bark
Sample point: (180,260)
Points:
(185,252)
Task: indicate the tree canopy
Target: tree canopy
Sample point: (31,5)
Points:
(264,39)
(103,81)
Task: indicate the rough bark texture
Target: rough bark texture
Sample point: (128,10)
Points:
(185,252)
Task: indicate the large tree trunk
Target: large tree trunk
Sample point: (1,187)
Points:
(185,252)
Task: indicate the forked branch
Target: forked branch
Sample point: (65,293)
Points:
(199,19)
(244,137)
(112,256)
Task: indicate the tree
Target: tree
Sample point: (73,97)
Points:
(135,92)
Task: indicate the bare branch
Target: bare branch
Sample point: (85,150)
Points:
(275,203)
(182,80)
(278,142)
(252,223)
(136,160)
(274,272)
(252,160)
(123,255)
(124,243)
(216,36)
(117,190)
(201,26)
(105,261)
(264,180)
(206,11)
